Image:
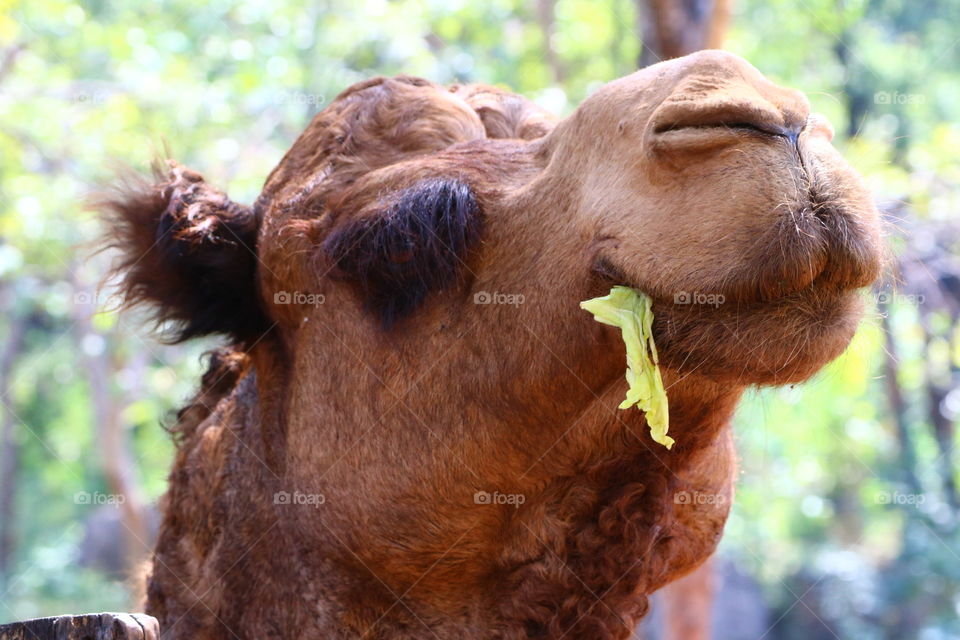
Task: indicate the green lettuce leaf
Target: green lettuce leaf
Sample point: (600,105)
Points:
(631,311)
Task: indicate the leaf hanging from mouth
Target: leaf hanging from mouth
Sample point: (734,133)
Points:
(632,312)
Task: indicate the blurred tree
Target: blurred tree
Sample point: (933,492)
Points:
(9,446)
(674,28)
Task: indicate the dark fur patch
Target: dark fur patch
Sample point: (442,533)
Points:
(187,250)
(414,247)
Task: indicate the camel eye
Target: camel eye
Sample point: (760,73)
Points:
(415,246)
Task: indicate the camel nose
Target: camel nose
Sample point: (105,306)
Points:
(717,89)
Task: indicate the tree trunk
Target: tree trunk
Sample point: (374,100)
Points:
(98,626)
(687,605)
(9,446)
(939,385)
(115,460)
(674,28)
(898,406)
(547,20)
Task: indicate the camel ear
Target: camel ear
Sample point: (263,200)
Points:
(189,251)
(413,246)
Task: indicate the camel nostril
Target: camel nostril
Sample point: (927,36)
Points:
(790,131)
(794,137)
(718,130)
(685,119)
(667,127)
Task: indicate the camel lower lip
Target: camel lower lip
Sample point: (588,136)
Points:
(818,326)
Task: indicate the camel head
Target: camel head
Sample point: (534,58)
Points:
(696,181)
(405,293)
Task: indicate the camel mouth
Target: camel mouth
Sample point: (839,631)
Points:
(771,343)
(821,248)
(785,322)
(847,255)
(821,243)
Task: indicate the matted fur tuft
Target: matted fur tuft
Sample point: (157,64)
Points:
(188,251)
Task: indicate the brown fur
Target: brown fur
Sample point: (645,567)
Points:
(695,175)
(188,250)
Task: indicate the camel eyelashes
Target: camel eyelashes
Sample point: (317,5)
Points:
(416,245)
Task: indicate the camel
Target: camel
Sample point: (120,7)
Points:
(412,429)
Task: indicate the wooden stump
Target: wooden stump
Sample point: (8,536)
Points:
(89,626)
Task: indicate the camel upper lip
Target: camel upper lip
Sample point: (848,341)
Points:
(843,258)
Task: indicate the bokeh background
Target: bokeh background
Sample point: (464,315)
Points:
(846,518)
